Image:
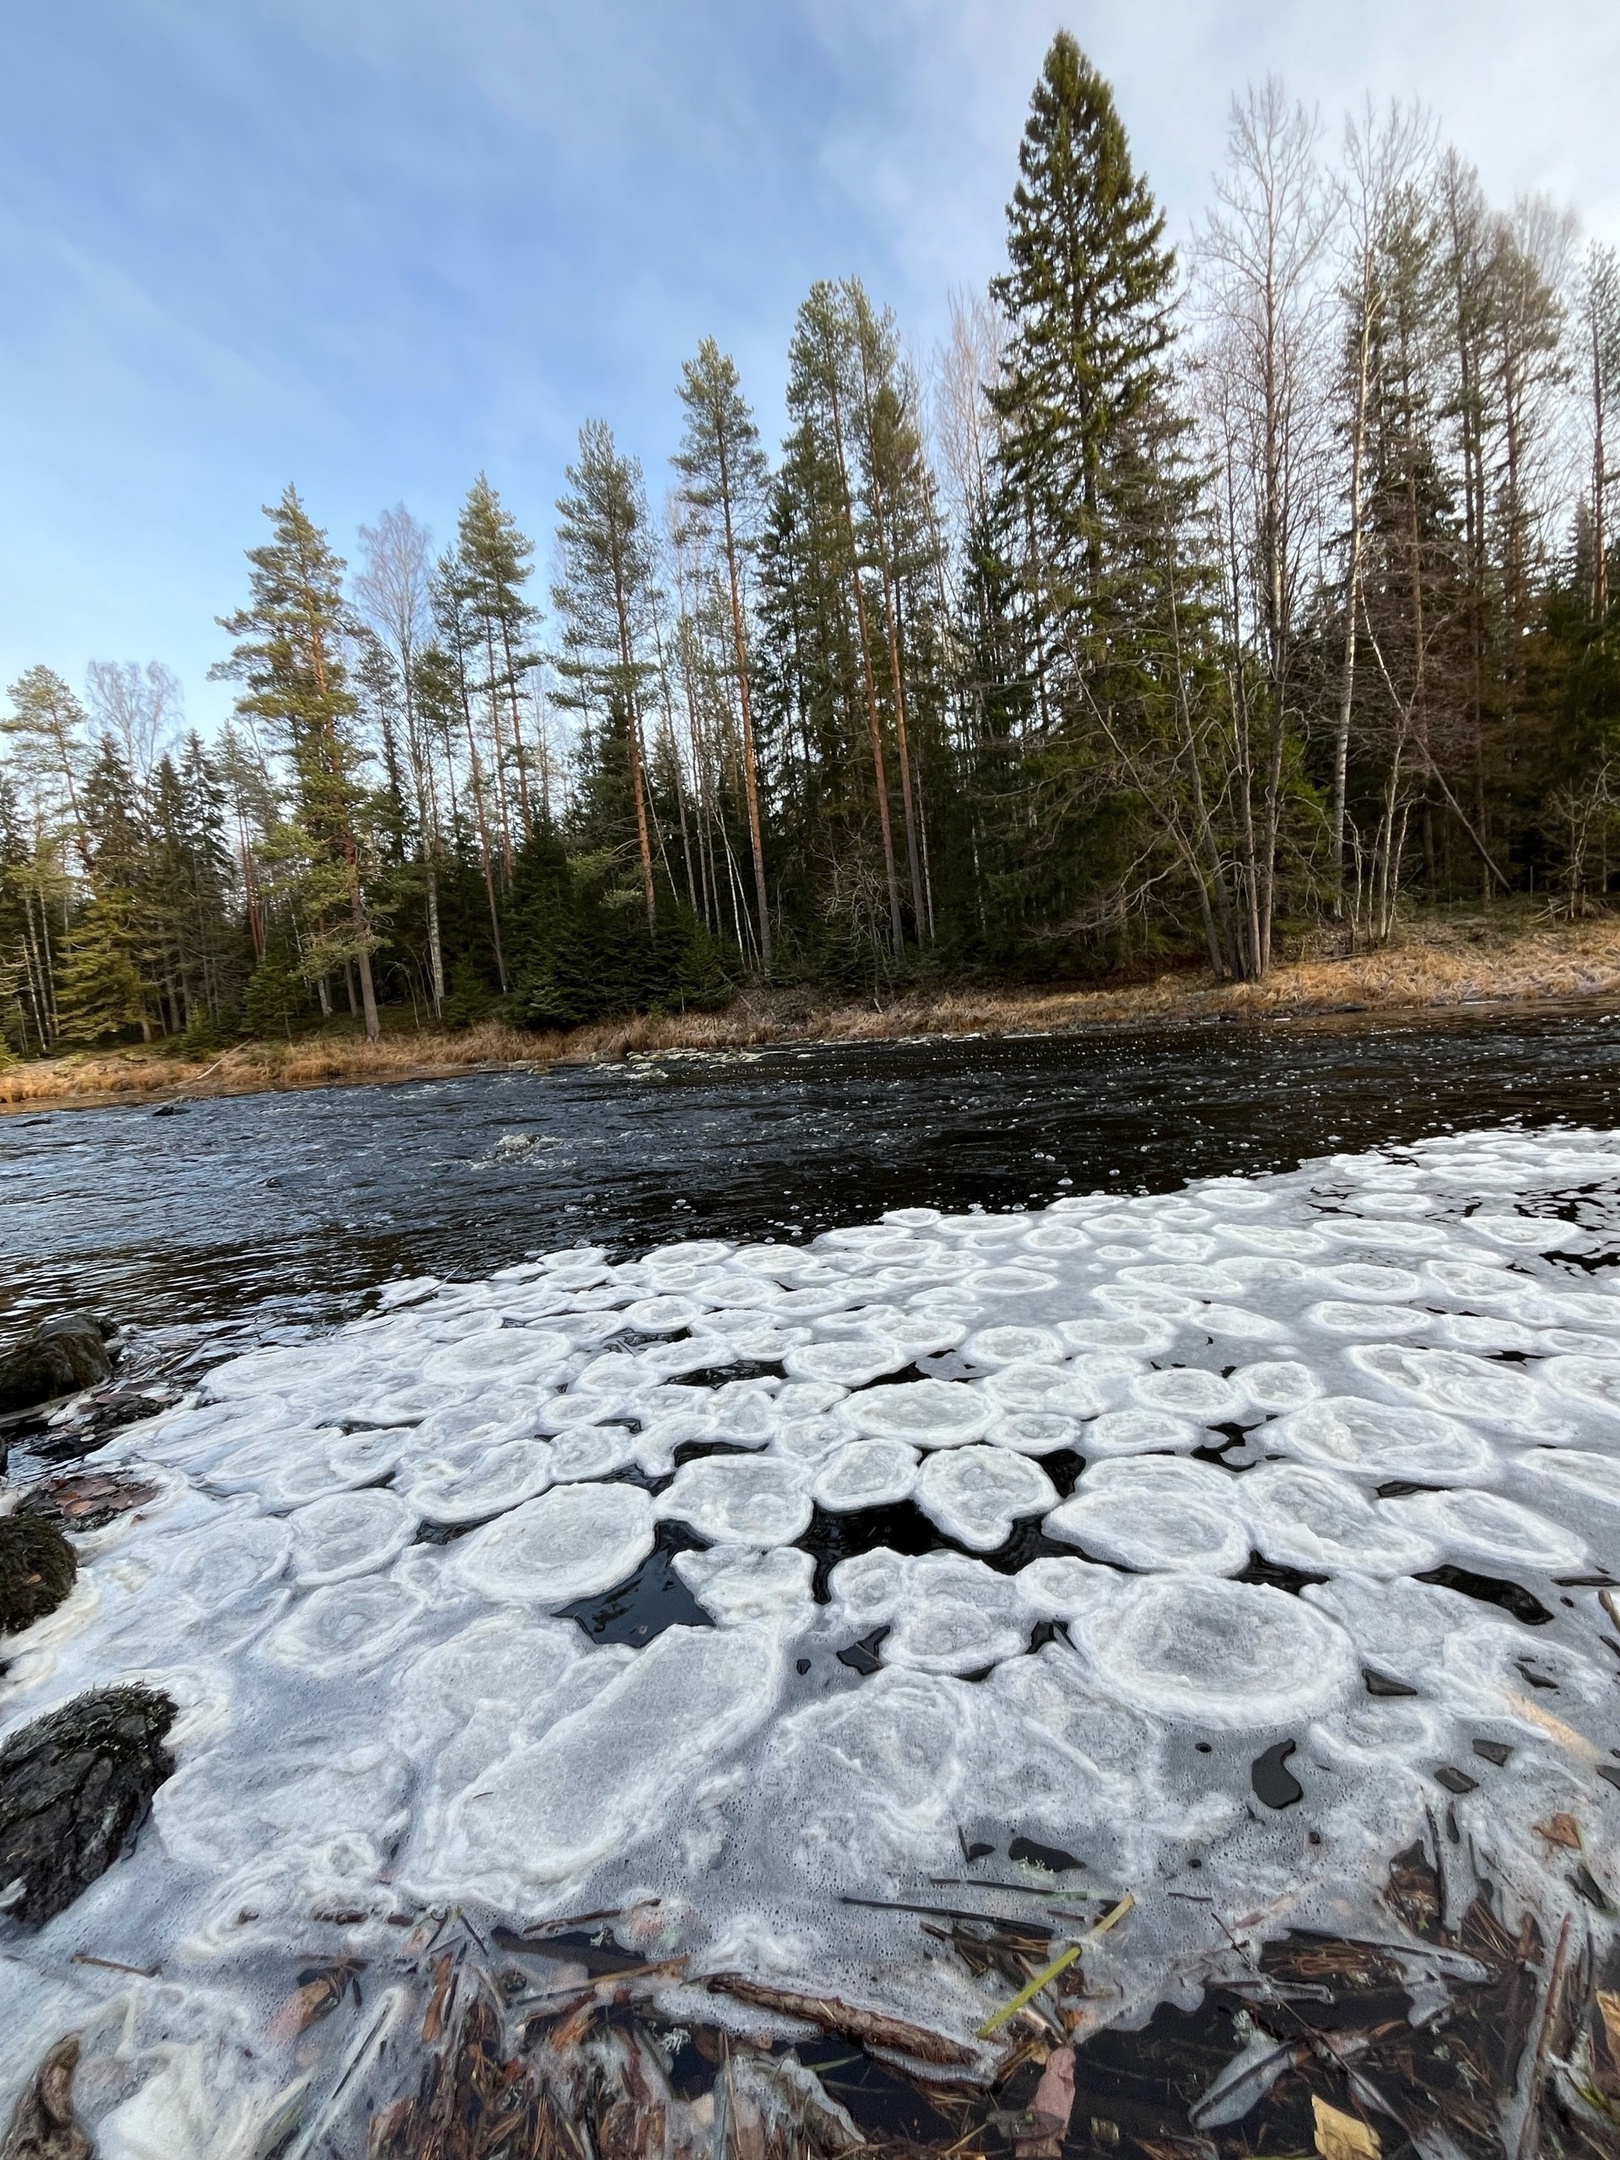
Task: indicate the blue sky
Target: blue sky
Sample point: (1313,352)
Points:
(376,245)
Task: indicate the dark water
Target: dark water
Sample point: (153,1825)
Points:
(289,1206)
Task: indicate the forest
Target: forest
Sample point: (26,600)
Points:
(1175,610)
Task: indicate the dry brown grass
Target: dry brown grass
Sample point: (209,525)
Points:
(1432,967)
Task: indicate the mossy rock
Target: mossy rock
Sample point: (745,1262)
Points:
(59,1357)
(74,1787)
(37,1570)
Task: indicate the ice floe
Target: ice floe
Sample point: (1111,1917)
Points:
(753,1579)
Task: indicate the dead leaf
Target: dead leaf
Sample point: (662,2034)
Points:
(433,2022)
(1561,1830)
(316,1998)
(1342,2137)
(43,2123)
(1556,1730)
(1609,2004)
(1049,2111)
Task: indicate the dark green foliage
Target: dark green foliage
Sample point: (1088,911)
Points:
(275,997)
(289,657)
(590,955)
(1090,700)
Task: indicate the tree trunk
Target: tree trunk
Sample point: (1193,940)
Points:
(632,716)
(435,949)
(756,839)
(1347,684)
(873,722)
(368,989)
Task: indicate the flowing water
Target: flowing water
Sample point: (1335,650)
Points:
(287,1206)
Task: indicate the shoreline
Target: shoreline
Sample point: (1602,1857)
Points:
(1437,972)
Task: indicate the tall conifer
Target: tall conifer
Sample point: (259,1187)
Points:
(288,655)
(1088,296)
(604,596)
(723,473)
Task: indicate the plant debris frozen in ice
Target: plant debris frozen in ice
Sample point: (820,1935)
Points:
(753,1590)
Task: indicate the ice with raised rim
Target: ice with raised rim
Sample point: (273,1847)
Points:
(1219,1653)
(975,1494)
(373,1717)
(572,1542)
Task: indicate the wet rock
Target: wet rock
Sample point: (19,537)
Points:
(43,2125)
(73,1786)
(90,1422)
(86,1499)
(59,1357)
(37,1568)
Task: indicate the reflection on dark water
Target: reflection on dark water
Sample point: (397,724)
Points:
(288,1206)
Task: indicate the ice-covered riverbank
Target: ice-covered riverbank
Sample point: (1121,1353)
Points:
(778,1603)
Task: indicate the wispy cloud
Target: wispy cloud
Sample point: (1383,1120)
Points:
(376,245)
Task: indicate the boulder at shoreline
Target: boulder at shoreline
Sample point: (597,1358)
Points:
(58,1357)
(73,1786)
(37,1569)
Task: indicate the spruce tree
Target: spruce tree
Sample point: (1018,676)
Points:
(289,656)
(834,614)
(100,992)
(1088,296)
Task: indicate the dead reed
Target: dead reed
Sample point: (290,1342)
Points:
(1434,967)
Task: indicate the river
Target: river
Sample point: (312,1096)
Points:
(287,1207)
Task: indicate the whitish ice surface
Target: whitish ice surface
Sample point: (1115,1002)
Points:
(725,1585)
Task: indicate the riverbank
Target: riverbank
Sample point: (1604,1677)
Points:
(1435,967)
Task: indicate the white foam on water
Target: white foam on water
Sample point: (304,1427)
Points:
(378,1717)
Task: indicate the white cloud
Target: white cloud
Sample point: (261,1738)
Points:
(375,245)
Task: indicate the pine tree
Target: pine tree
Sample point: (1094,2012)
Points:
(900,541)
(444,688)
(46,729)
(831,614)
(604,596)
(724,475)
(494,562)
(289,655)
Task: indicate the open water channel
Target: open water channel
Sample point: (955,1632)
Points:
(290,1205)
